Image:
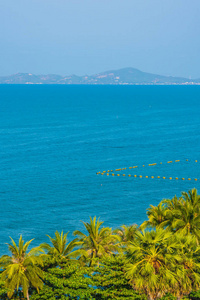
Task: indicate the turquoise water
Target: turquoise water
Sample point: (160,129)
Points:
(55,138)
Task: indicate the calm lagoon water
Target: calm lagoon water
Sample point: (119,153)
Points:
(53,140)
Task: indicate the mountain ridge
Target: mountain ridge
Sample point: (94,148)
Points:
(124,76)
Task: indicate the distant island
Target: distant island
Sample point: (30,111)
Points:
(126,76)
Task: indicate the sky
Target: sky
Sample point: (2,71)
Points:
(90,36)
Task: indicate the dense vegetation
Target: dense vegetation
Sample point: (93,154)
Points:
(160,259)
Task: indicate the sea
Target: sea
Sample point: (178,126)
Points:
(55,138)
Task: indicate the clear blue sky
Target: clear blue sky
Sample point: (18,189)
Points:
(89,36)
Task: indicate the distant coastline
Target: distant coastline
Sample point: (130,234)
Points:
(126,76)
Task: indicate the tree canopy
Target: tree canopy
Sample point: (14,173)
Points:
(160,259)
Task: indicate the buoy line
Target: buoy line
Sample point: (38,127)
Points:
(143,176)
(111,172)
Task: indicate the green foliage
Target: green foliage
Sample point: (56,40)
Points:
(168,296)
(61,250)
(187,267)
(194,295)
(21,268)
(178,215)
(150,263)
(157,217)
(110,281)
(161,262)
(70,282)
(3,290)
(126,233)
(98,242)
(107,281)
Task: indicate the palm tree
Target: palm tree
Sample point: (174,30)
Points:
(185,216)
(172,204)
(126,233)
(21,268)
(178,214)
(187,265)
(61,249)
(150,262)
(98,242)
(156,217)
(187,220)
(192,197)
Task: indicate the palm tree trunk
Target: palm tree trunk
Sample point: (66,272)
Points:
(27,295)
(150,296)
(91,261)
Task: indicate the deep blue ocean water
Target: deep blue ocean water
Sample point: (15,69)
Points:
(53,140)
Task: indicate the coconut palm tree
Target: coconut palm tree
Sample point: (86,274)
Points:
(61,250)
(126,233)
(20,270)
(97,242)
(187,220)
(156,217)
(184,216)
(150,262)
(178,214)
(192,197)
(172,204)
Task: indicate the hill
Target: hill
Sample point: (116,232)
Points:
(129,76)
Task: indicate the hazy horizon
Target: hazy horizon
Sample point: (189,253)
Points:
(87,37)
(39,74)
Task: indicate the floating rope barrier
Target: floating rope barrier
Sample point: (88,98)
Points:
(142,176)
(111,172)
